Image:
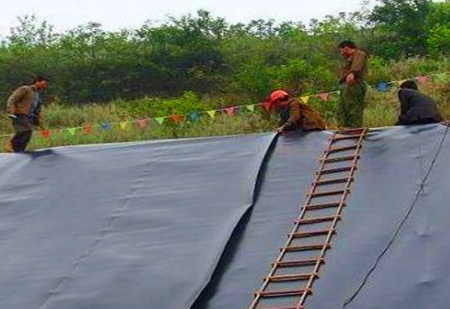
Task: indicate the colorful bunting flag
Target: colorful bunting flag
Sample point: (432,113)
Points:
(212,113)
(71,131)
(324,96)
(107,126)
(177,118)
(267,105)
(160,120)
(143,123)
(250,107)
(422,79)
(88,129)
(231,111)
(194,116)
(45,133)
(305,99)
(384,87)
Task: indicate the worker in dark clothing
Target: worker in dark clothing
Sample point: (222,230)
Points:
(24,109)
(353,91)
(294,114)
(416,107)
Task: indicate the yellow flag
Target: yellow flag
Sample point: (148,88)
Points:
(71,131)
(250,107)
(160,120)
(305,99)
(124,125)
(212,113)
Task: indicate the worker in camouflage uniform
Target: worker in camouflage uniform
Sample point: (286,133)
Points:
(353,91)
(24,109)
(294,114)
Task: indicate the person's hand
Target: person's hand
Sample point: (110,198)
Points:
(350,79)
(280,129)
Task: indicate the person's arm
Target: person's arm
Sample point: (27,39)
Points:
(294,116)
(38,116)
(404,98)
(38,120)
(358,64)
(15,97)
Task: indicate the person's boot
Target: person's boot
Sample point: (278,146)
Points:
(8,147)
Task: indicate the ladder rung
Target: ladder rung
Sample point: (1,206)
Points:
(312,233)
(336,170)
(297,263)
(318,219)
(317,194)
(340,159)
(343,137)
(297,277)
(333,181)
(323,206)
(283,293)
(345,148)
(307,247)
(351,131)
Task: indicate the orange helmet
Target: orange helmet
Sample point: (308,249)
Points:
(278,94)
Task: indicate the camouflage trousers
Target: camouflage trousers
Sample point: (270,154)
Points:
(351,106)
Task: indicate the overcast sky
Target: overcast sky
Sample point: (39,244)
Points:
(114,15)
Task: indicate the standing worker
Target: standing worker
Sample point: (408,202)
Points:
(24,108)
(294,114)
(351,106)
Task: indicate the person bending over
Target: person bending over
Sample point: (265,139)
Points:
(416,107)
(294,114)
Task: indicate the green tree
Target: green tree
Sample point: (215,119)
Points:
(401,26)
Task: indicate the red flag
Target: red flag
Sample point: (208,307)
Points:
(231,111)
(324,96)
(177,118)
(267,105)
(45,133)
(88,129)
(143,123)
(422,79)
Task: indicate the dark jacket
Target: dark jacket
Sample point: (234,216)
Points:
(297,115)
(416,108)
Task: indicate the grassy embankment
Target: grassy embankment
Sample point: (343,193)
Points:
(382,110)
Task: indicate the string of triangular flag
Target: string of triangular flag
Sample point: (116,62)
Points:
(145,122)
(386,86)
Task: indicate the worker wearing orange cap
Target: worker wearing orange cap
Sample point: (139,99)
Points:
(294,114)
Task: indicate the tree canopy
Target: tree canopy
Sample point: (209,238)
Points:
(207,55)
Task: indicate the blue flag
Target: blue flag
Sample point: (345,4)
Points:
(194,116)
(106,126)
(384,87)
